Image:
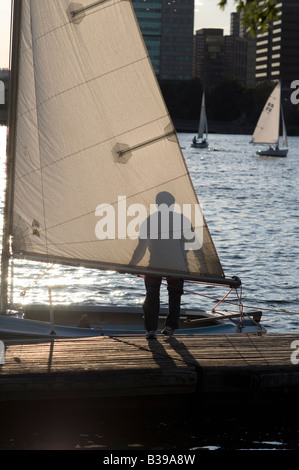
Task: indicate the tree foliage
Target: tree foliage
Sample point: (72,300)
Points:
(256,15)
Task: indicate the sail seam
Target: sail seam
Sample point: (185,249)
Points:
(112,204)
(116,137)
(87,82)
(60,27)
(83,242)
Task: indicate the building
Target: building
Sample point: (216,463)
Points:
(167,29)
(237,29)
(235,26)
(235,58)
(277,49)
(209,56)
(218,57)
(149,15)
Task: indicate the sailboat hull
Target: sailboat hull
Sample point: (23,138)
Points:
(113,321)
(200,145)
(273,153)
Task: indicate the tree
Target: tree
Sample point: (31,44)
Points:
(256,15)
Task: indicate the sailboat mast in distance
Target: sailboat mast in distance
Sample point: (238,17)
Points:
(202,137)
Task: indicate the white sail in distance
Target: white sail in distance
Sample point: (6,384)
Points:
(267,128)
(203,122)
(91,129)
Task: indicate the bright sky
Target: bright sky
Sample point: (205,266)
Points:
(207,15)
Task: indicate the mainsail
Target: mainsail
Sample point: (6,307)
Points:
(89,129)
(267,128)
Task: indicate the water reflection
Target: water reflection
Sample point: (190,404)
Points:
(148,425)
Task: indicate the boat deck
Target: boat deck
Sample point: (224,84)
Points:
(231,366)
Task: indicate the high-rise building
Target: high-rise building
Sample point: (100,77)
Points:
(235,24)
(237,29)
(149,15)
(218,57)
(167,29)
(235,58)
(277,49)
(209,56)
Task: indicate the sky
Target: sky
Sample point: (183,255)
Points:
(207,15)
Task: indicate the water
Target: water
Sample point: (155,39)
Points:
(251,205)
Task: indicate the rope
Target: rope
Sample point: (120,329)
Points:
(23,293)
(240,304)
(246,306)
(203,295)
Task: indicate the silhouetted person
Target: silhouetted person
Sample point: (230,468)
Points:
(166,248)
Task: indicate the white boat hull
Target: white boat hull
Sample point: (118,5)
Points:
(111,321)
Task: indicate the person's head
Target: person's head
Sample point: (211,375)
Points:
(165,197)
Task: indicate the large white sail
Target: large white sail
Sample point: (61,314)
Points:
(92,131)
(267,128)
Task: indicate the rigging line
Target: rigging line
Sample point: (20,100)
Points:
(188,291)
(23,293)
(251,307)
(221,300)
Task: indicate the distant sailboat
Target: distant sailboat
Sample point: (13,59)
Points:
(267,128)
(89,135)
(201,141)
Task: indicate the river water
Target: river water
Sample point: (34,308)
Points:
(251,205)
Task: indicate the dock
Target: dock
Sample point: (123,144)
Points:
(212,368)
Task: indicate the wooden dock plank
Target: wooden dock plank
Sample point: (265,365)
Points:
(131,366)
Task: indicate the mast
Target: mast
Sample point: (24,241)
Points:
(284,130)
(12,113)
